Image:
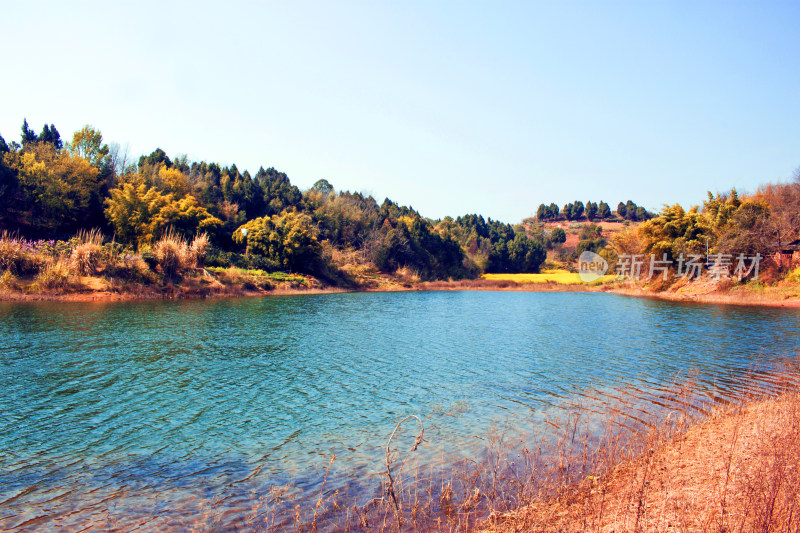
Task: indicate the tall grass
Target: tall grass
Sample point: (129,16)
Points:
(693,464)
(86,254)
(55,275)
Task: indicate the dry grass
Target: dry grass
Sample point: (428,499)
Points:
(174,255)
(739,470)
(725,467)
(688,467)
(407,275)
(55,276)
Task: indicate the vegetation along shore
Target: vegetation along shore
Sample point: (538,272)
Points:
(82,220)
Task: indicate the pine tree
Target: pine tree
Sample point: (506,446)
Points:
(603,210)
(27,133)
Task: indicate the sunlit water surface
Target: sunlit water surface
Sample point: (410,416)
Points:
(158,414)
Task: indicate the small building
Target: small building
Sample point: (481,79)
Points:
(787,254)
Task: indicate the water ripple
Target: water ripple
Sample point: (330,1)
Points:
(152,415)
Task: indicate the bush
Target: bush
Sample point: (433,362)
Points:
(8,280)
(85,258)
(174,255)
(794,275)
(131,268)
(19,256)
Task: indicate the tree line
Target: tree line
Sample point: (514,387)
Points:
(590,211)
(51,189)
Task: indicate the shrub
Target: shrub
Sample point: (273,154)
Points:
(131,268)
(85,258)
(19,256)
(794,275)
(174,255)
(8,280)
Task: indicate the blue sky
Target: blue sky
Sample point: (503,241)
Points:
(451,107)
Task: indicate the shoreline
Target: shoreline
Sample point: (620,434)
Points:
(179,292)
(734,469)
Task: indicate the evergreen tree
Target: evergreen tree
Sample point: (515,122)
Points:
(27,133)
(577,209)
(158,156)
(558,236)
(630,210)
(603,210)
(591,210)
(50,135)
(621,210)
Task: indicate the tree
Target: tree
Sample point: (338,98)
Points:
(140,213)
(88,144)
(524,254)
(630,210)
(50,135)
(783,200)
(8,188)
(674,232)
(323,187)
(591,210)
(746,230)
(58,193)
(28,136)
(288,239)
(542,213)
(621,210)
(154,159)
(558,236)
(591,239)
(603,210)
(577,209)
(279,193)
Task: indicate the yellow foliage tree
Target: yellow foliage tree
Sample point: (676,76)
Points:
(140,213)
(675,231)
(174,181)
(58,189)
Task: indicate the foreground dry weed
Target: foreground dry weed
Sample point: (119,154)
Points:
(737,471)
(693,466)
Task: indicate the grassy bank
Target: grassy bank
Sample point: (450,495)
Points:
(86,268)
(737,470)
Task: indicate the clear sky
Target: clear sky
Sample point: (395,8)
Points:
(451,107)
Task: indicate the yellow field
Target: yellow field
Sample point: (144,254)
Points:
(557,276)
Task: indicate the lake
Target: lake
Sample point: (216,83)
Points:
(146,414)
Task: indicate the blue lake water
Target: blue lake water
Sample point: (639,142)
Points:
(124,415)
